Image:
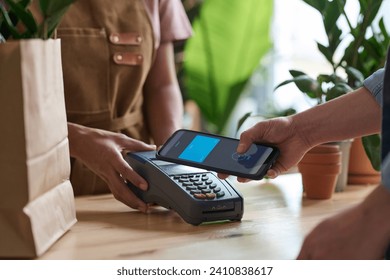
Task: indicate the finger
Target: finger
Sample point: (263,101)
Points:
(243,180)
(222,176)
(128,173)
(255,134)
(243,146)
(246,141)
(272,173)
(131,144)
(123,194)
(276,169)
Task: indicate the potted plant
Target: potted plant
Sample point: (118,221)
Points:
(364,54)
(36,197)
(219,59)
(320,168)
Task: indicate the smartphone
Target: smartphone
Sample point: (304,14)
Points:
(217,153)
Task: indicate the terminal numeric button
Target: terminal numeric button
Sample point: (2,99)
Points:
(200,196)
(181,180)
(213,186)
(195,192)
(187,184)
(220,194)
(218,189)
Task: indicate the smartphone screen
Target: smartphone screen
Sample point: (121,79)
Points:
(217,153)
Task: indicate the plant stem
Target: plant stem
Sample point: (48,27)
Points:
(360,38)
(45,29)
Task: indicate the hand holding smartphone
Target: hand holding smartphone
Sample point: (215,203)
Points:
(217,153)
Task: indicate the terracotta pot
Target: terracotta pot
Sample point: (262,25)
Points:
(320,168)
(360,170)
(319,186)
(323,158)
(325,148)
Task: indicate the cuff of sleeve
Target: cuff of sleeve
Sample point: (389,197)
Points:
(374,84)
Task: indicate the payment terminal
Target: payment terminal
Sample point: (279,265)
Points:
(197,195)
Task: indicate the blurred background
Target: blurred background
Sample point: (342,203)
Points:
(242,50)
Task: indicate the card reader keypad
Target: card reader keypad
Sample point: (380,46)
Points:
(201,186)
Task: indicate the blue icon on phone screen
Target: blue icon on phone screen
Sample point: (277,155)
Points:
(199,148)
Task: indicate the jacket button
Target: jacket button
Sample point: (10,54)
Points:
(114,38)
(139,39)
(119,57)
(139,57)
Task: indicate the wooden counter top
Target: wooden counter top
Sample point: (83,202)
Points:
(276,219)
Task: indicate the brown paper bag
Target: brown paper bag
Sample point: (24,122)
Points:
(36,197)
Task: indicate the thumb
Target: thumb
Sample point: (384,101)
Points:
(245,142)
(136,145)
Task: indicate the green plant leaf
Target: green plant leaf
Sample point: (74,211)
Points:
(369,9)
(230,39)
(52,7)
(9,25)
(337,90)
(25,16)
(296,73)
(383,30)
(353,53)
(242,120)
(305,84)
(326,52)
(355,74)
(323,78)
(334,36)
(331,13)
(332,78)
(52,11)
(4,27)
(319,5)
(372,146)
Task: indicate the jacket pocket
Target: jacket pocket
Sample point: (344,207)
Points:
(85,59)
